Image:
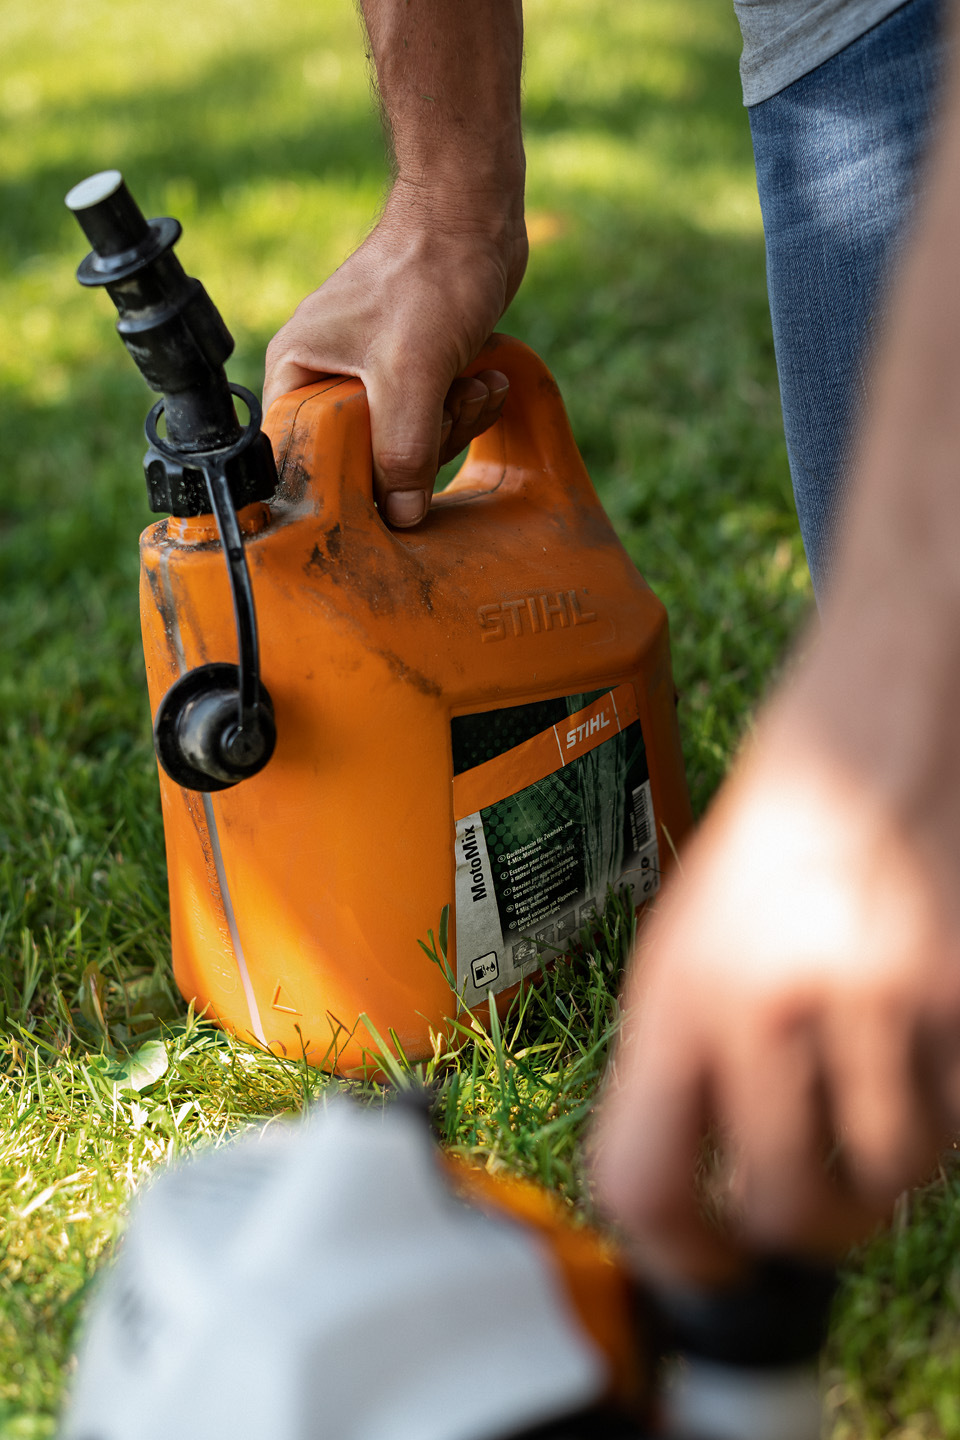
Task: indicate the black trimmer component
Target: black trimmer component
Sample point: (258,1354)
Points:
(179,342)
(777,1317)
(598,1423)
(215,726)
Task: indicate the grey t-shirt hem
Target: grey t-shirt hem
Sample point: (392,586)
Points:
(785,39)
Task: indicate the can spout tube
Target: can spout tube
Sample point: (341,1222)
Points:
(170,326)
(215,726)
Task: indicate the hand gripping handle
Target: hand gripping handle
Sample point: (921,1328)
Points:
(321,435)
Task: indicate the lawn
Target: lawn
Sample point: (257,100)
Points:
(252,122)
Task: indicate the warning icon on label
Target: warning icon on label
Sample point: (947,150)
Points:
(524,952)
(485,969)
(567,926)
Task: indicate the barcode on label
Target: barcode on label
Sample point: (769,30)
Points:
(642,816)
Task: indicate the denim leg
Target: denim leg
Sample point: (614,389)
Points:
(837,157)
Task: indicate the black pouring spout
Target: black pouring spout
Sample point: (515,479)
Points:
(215,726)
(177,338)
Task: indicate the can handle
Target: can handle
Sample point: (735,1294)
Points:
(321,436)
(530,448)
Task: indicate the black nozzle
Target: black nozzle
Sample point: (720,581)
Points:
(109,216)
(177,338)
(215,727)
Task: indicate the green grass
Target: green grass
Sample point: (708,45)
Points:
(252,122)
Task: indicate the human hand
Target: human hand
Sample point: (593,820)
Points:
(406,313)
(795,1000)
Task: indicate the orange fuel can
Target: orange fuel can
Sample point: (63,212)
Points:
(477,715)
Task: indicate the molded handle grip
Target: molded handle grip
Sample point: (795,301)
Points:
(533,431)
(321,435)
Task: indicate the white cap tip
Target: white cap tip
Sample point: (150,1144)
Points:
(94,189)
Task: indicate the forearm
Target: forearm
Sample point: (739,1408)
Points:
(901,534)
(449,77)
(799,995)
(410,309)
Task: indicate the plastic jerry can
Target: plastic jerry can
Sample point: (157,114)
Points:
(474,718)
(477,714)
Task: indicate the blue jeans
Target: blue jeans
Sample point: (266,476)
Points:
(837,156)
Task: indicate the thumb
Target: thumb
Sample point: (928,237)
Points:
(407,424)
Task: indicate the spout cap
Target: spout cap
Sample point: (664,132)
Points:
(108,214)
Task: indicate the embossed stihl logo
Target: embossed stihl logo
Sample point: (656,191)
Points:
(532,614)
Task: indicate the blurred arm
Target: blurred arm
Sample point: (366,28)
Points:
(797,996)
(416,302)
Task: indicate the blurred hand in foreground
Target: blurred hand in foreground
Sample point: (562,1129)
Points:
(795,1001)
(794,1004)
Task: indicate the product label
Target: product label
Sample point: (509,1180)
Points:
(552,804)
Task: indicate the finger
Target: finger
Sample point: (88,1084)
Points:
(465,399)
(645,1151)
(406,422)
(469,395)
(891,1134)
(939,1063)
(784,1195)
(282,376)
(497,385)
(475,403)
